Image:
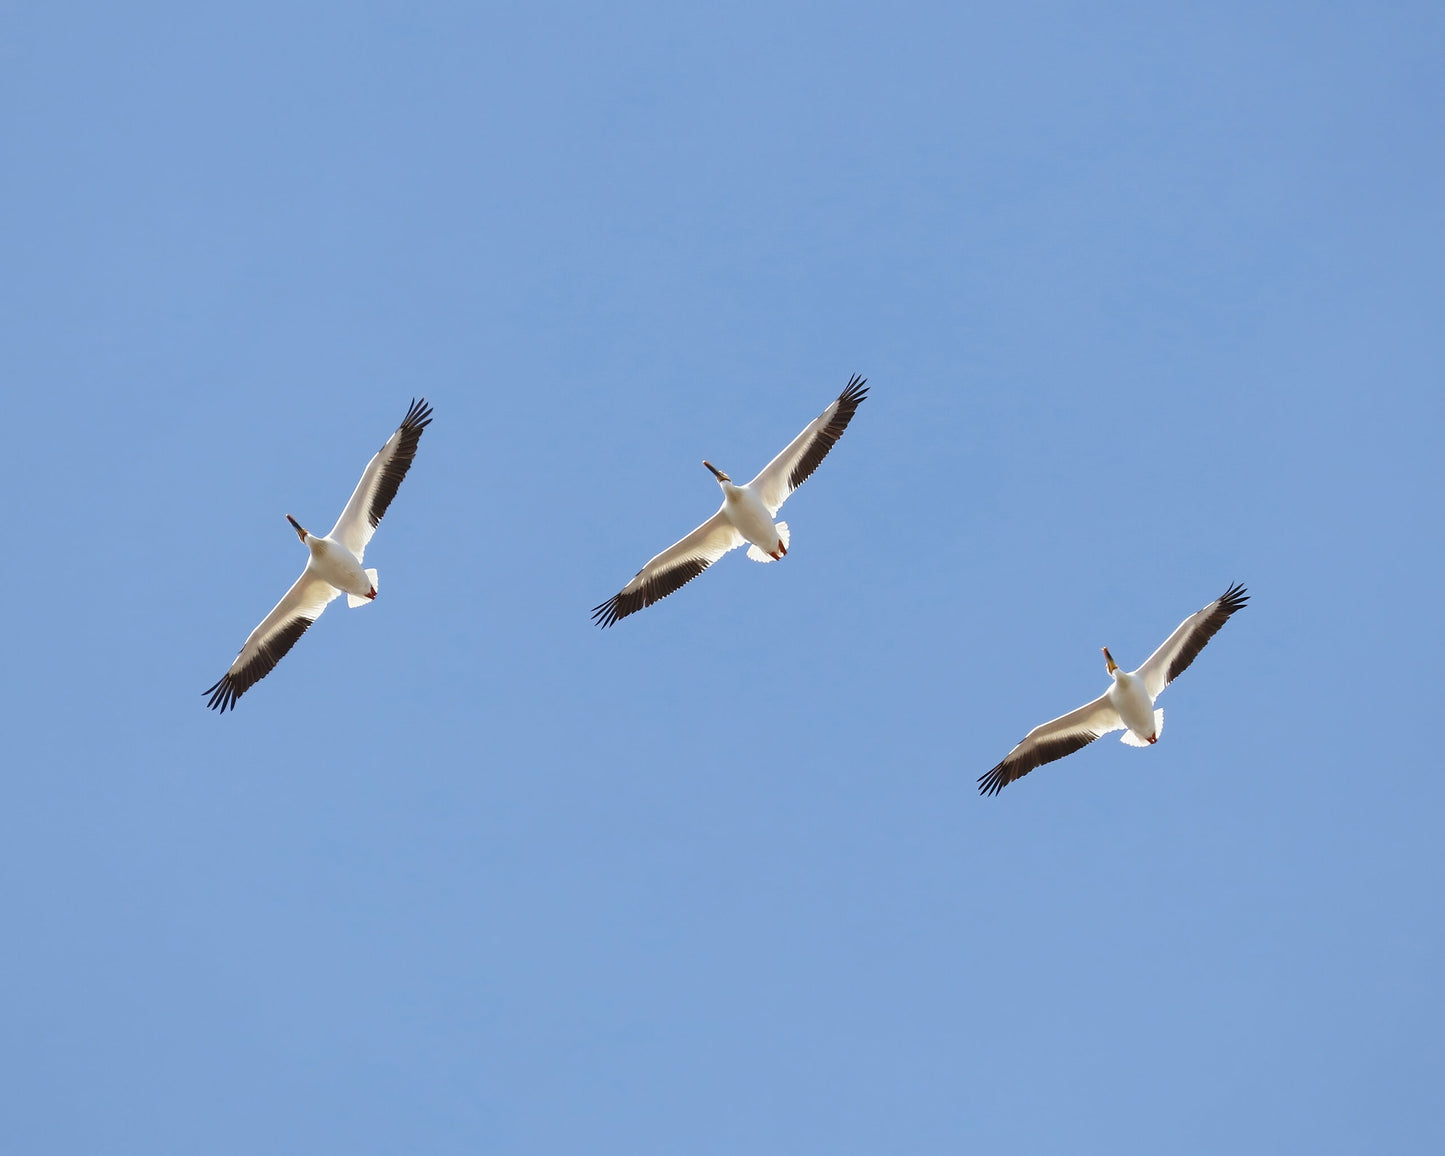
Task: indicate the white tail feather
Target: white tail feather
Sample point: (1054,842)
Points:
(1130,739)
(353,601)
(783,536)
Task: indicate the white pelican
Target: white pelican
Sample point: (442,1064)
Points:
(746,514)
(1127,705)
(334,566)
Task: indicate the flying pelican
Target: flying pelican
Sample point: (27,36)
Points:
(1127,705)
(334,567)
(746,514)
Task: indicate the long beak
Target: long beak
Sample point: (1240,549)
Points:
(1109,662)
(295,525)
(717,473)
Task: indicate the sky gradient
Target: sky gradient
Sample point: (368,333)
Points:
(1149,298)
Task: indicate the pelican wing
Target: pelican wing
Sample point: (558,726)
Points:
(791,468)
(676,566)
(380,480)
(269,642)
(1053,740)
(1183,646)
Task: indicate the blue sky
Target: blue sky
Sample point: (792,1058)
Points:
(1150,300)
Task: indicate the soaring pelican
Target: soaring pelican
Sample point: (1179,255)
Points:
(334,566)
(746,514)
(1127,705)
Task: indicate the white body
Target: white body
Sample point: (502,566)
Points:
(334,564)
(744,508)
(1135,706)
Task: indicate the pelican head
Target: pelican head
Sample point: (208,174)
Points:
(1109,664)
(295,525)
(717,473)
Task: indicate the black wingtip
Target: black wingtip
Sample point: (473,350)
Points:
(223,694)
(1234,598)
(418,416)
(856,389)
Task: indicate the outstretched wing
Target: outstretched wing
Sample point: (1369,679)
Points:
(791,468)
(1183,646)
(379,482)
(299,608)
(1053,740)
(676,566)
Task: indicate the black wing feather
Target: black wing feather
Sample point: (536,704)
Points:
(1226,604)
(1017,765)
(418,417)
(656,588)
(237,682)
(848,402)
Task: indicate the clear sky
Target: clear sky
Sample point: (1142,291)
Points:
(1150,300)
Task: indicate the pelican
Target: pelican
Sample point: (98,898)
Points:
(746,514)
(334,566)
(1127,705)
